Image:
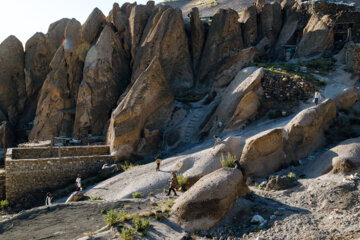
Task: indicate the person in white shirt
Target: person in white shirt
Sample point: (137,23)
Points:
(316,97)
(78,183)
(49,197)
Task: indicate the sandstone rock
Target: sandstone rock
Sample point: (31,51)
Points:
(75,197)
(165,37)
(264,152)
(149,95)
(56,32)
(280,183)
(38,54)
(248,79)
(264,46)
(318,36)
(233,65)
(224,40)
(347,98)
(249,21)
(106,75)
(197,37)
(306,129)
(108,169)
(270,21)
(93,26)
(12,83)
(343,158)
(246,109)
(56,105)
(137,21)
(207,202)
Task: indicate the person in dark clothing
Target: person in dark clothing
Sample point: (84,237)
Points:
(238,166)
(173,184)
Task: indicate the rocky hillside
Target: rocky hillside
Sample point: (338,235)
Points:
(150,82)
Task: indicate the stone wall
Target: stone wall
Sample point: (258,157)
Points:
(47,152)
(28,180)
(2,185)
(352,58)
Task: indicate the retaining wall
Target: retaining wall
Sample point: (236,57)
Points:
(2,185)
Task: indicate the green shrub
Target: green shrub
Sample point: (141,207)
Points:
(127,166)
(151,194)
(136,195)
(112,218)
(127,233)
(228,161)
(141,226)
(291,175)
(4,205)
(322,82)
(96,198)
(182,182)
(169,203)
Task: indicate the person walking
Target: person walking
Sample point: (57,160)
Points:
(173,184)
(316,97)
(217,140)
(49,198)
(78,183)
(158,161)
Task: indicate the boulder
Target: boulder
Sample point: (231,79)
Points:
(270,21)
(249,25)
(280,183)
(197,34)
(207,202)
(106,74)
(305,132)
(57,100)
(108,169)
(233,65)
(264,46)
(146,105)
(347,98)
(247,80)
(56,33)
(224,40)
(264,152)
(93,26)
(246,109)
(164,37)
(75,197)
(12,82)
(343,158)
(317,36)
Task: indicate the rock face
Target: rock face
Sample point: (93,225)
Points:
(249,21)
(75,197)
(270,21)
(106,75)
(343,158)
(208,201)
(318,36)
(264,152)
(246,109)
(224,41)
(93,26)
(56,32)
(247,80)
(146,105)
(164,37)
(12,83)
(347,98)
(56,105)
(197,37)
(305,132)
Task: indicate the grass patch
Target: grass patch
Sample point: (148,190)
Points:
(126,166)
(141,225)
(4,205)
(228,161)
(112,218)
(127,233)
(96,198)
(136,195)
(182,182)
(291,175)
(169,203)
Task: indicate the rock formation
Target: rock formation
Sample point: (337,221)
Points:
(249,21)
(106,75)
(56,105)
(150,96)
(207,202)
(12,83)
(347,98)
(91,29)
(197,37)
